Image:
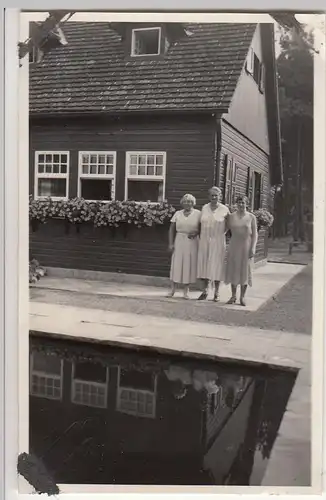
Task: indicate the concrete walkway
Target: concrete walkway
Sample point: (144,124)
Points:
(268,280)
(237,344)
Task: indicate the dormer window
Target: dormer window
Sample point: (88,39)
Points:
(146,42)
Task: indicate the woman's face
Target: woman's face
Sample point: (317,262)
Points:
(214,196)
(242,205)
(187,204)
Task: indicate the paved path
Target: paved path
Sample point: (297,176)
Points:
(285,296)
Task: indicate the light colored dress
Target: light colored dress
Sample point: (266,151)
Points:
(184,257)
(211,254)
(243,238)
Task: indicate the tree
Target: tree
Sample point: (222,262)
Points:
(296,83)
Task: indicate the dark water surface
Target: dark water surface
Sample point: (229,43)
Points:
(106,415)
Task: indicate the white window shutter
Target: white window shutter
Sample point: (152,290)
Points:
(250,62)
(262,78)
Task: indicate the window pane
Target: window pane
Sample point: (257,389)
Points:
(159,159)
(64,158)
(133,169)
(93,169)
(142,170)
(85,169)
(63,169)
(52,187)
(48,158)
(151,170)
(91,372)
(144,190)
(133,159)
(146,41)
(150,160)
(85,158)
(41,158)
(56,169)
(96,189)
(101,169)
(48,169)
(56,158)
(101,159)
(109,169)
(137,379)
(46,363)
(109,159)
(41,169)
(93,158)
(142,159)
(159,170)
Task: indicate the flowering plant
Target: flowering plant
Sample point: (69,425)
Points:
(35,271)
(263,216)
(111,214)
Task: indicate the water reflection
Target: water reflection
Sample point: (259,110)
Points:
(105,415)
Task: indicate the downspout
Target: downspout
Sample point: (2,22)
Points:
(217,150)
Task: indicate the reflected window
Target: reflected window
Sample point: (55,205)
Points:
(136,394)
(89,384)
(46,376)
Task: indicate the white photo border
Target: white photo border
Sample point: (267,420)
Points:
(16,284)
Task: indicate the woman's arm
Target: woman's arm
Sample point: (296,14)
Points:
(172,232)
(254,237)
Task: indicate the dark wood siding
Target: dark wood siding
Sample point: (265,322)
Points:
(247,155)
(187,141)
(189,145)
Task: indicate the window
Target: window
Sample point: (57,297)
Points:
(136,393)
(146,42)
(89,384)
(97,175)
(46,376)
(51,174)
(254,189)
(35,55)
(231,179)
(145,176)
(256,69)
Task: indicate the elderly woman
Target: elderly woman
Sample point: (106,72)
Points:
(242,248)
(183,244)
(211,254)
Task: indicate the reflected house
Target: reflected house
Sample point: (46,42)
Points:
(92,422)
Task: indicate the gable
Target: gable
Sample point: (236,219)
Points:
(93,75)
(248,109)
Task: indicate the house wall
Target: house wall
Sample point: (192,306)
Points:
(248,110)
(246,155)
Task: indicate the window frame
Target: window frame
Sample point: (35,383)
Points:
(121,388)
(145,178)
(111,177)
(89,383)
(251,188)
(47,375)
(133,41)
(52,175)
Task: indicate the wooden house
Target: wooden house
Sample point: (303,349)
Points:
(98,415)
(150,112)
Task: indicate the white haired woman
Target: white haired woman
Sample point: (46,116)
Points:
(242,248)
(212,245)
(183,244)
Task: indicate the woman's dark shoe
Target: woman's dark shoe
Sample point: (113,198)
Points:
(203,296)
(232,300)
(216,297)
(242,302)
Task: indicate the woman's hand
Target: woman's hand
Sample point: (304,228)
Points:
(251,254)
(171,248)
(192,236)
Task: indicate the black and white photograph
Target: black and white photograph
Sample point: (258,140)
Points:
(171,209)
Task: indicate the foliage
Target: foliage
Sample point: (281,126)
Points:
(264,218)
(35,271)
(112,214)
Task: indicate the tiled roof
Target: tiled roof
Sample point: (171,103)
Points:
(92,74)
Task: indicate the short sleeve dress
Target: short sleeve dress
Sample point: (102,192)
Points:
(239,266)
(184,258)
(212,245)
